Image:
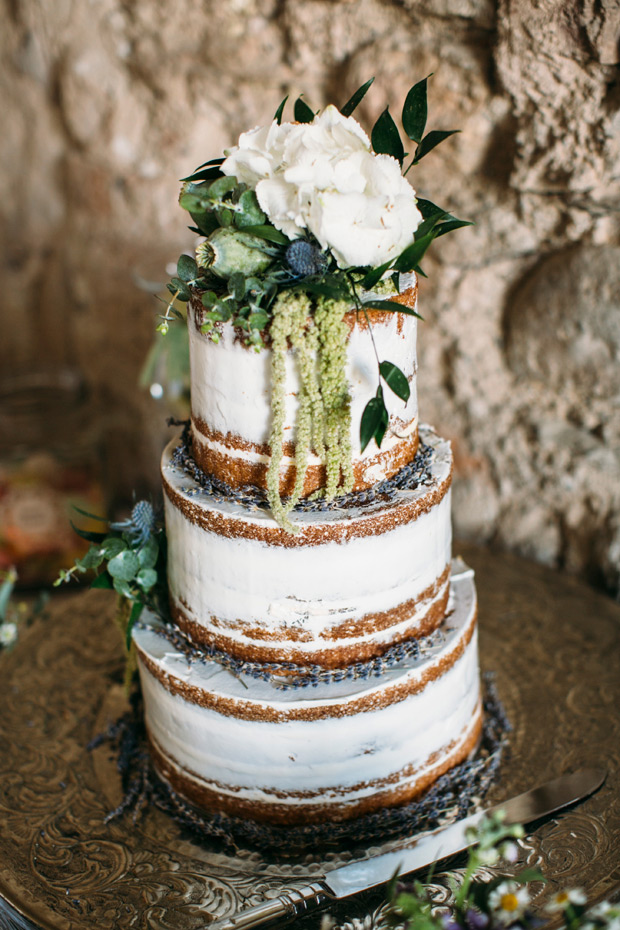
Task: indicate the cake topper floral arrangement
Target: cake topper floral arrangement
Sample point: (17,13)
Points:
(303,221)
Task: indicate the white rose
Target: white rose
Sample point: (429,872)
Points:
(323,177)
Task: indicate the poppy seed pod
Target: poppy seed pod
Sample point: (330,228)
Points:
(229,250)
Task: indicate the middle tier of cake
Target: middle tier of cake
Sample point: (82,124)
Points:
(359,576)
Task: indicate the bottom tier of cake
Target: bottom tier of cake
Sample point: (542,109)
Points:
(351,742)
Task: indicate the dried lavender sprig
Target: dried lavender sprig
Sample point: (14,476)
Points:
(286,676)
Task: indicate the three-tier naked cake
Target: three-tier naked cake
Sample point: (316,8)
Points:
(326,662)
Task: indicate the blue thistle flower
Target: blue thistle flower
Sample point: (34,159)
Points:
(305,259)
(140,525)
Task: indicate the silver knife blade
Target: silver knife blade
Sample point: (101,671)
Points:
(447,841)
(364,874)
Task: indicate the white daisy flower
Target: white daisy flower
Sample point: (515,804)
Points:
(608,913)
(508,902)
(564,898)
(8,634)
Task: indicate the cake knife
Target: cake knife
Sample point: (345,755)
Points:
(364,874)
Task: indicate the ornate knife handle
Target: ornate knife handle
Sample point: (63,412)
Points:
(286,906)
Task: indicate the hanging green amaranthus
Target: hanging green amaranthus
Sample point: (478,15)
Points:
(333,333)
(318,336)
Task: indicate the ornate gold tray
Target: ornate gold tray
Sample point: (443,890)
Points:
(553,643)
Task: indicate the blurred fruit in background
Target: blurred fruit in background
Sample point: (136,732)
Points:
(49,463)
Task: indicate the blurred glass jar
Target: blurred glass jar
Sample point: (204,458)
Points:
(49,464)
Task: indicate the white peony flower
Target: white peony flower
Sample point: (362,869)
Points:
(258,154)
(322,176)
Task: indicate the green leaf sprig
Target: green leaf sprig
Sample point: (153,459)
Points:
(129,557)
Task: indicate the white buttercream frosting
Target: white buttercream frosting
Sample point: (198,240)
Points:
(342,756)
(235,584)
(231,384)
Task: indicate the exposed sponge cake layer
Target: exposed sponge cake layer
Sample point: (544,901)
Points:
(353,581)
(333,751)
(231,400)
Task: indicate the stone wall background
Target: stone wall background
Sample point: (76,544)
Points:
(107,102)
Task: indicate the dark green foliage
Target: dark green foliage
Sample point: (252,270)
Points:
(356,99)
(303,113)
(386,139)
(374,421)
(278,114)
(395,380)
(415,111)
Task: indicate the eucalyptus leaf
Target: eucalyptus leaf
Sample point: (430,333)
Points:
(102,581)
(354,101)
(124,566)
(236,285)
(222,186)
(209,299)
(121,587)
(395,380)
(147,554)
(258,319)
(92,559)
(278,114)
(385,137)
(196,200)
(187,269)
(433,138)
(112,545)
(146,578)
(134,616)
(179,289)
(303,113)
(415,111)
(224,215)
(251,213)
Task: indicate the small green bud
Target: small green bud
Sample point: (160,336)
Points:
(228,250)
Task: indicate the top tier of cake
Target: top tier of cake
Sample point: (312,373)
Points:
(231,400)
